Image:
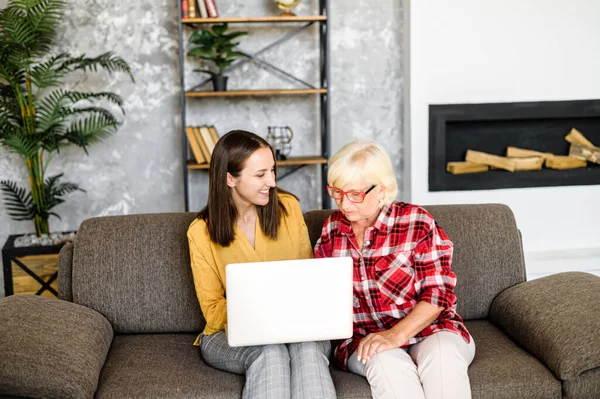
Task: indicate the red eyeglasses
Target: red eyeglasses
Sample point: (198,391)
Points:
(353,196)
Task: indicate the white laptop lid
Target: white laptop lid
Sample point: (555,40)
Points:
(289,301)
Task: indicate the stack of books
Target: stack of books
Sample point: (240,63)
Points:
(202,140)
(199,9)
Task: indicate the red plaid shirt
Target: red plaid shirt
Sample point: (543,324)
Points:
(405,259)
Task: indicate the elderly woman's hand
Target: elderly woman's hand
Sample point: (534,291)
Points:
(420,317)
(378,342)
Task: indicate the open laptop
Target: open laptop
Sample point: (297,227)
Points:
(289,301)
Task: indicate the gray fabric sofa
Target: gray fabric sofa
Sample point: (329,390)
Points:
(128,315)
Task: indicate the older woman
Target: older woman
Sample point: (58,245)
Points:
(408,340)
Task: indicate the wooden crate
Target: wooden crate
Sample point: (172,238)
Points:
(42,265)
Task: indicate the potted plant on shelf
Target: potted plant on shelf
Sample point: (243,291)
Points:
(217,46)
(37,117)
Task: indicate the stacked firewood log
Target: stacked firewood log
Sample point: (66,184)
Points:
(581,152)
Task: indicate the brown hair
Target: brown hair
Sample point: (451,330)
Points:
(220,214)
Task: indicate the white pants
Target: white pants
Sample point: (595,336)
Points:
(435,368)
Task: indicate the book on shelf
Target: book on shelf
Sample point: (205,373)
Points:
(211,7)
(185,9)
(192,8)
(208,138)
(202,144)
(193,142)
(213,133)
(201,9)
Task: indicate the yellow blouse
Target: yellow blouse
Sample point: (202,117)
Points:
(209,259)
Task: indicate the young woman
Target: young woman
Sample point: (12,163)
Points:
(408,340)
(248,219)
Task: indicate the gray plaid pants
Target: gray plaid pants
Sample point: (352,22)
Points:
(296,371)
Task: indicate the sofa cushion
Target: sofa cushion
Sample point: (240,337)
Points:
(163,366)
(556,318)
(65,272)
(135,270)
(349,385)
(488,255)
(155,365)
(501,369)
(50,348)
(585,386)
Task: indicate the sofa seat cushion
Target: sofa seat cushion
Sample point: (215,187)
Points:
(586,385)
(168,365)
(501,369)
(163,366)
(349,385)
(157,365)
(50,348)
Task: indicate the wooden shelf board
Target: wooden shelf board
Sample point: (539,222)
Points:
(233,20)
(288,162)
(240,93)
(302,161)
(194,165)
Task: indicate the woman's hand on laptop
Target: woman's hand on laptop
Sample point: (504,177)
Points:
(378,342)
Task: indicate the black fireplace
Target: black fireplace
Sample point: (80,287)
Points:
(539,126)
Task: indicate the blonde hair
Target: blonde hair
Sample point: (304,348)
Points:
(367,160)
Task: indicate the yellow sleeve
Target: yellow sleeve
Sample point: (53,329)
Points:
(209,287)
(305,249)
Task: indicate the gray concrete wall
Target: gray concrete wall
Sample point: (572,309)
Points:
(139,170)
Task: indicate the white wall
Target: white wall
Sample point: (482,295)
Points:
(472,51)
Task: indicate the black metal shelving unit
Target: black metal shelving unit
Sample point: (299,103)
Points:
(294,163)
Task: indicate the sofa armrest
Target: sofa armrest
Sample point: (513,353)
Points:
(65,272)
(555,318)
(51,348)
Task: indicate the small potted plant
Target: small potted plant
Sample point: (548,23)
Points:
(217,46)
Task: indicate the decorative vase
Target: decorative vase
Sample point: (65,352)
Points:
(287,6)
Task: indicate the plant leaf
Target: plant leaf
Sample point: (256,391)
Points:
(219,29)
(18,201)
(203,37)
(90,130)
(233,35)
(24,145)
(235,54)
(205,71)
(107,61)
(55,190)
(207,54)
(46,74)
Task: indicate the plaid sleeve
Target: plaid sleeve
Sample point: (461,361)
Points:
(434,278)
(324,245)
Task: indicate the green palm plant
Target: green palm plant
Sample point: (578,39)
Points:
(37,116)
